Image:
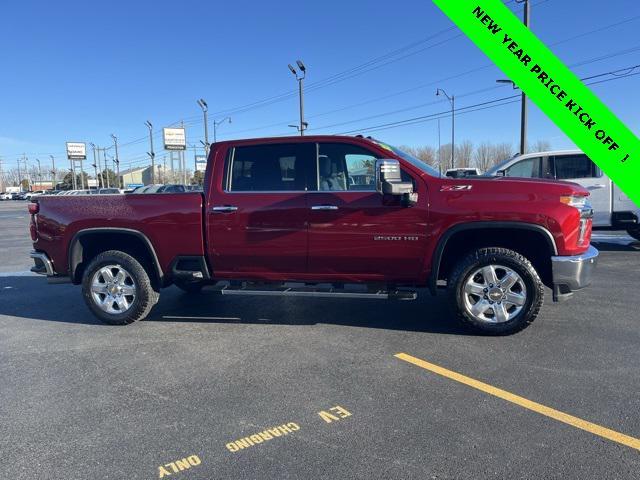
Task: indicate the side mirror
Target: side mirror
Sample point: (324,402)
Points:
(501,173)
(389,181)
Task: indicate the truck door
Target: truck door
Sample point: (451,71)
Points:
(580,169)
(257,213)
(355,233)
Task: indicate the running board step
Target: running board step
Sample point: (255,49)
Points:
(317,292)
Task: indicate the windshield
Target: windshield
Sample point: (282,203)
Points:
(416,162)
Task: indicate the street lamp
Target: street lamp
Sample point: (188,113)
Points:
(53,171)
(205,109)
(151,154)
(300,78)
(39,173)
(452,100)
(116,159)
(218,123)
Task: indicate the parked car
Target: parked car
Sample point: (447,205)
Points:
(6,196)
(19,196)
(105,191)
(161,188)
(613,210)
(272,213)
(462,172)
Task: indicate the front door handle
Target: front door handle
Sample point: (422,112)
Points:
(596,186)
(224,209)
(324,207)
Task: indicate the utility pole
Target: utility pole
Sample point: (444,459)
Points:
(300,78)
(151,154)
(205,109)
(19,175)
(2,182)
(53,171)
(439,150)
(105,171)
(452,101)
(215,127)
(117,160)
(524,107)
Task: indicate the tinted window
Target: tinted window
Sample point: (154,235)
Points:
(528,168)
(343,167)
(574,166)
(273,167)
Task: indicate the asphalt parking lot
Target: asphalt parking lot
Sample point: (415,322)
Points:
(216,387)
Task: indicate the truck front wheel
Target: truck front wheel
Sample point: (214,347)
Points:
(496,291)
(117,288)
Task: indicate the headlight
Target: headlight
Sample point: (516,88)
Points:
(578,201)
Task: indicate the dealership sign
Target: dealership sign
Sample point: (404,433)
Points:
(201,163)
(174,139)
(76,151)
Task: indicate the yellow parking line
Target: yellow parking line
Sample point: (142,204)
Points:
(523,402)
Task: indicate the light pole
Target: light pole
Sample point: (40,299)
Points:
(216,124)
(205,109)
(116,160)
(151,154)
(300,78)
(39,173)
(452,100)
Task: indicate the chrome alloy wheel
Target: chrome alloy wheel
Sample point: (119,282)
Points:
(494,294)
(113,289)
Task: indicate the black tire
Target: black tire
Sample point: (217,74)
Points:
(145,294)
(533,297)
(189,287)
(634,232)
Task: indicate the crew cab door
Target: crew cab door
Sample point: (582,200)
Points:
(355,233)
(257,212)
(580,169)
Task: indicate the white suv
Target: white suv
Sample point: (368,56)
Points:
(613,210)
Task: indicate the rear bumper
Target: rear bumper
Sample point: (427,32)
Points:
(43,265)
(572,273)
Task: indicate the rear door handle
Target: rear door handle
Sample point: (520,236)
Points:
(324,207)
(224,209)
(596,186)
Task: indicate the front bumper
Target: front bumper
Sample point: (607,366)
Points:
(572,273)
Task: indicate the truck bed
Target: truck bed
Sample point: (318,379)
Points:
(173,223)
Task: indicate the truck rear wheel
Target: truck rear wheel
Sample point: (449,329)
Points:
(117,288)
(496,291)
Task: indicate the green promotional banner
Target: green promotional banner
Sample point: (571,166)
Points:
(552,86)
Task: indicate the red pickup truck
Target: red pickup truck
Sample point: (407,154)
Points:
(324,216)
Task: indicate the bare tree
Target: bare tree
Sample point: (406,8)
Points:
(464,151)
(425,153)
(502,152)
(540,145)
(483,157)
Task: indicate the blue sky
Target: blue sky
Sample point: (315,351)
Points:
(82,70)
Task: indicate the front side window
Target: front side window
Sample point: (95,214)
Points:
(574,166)
(270,168)
(527,168)
(345,167)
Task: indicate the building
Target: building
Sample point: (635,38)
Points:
(135,177)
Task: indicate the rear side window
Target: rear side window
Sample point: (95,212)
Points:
(270,168)
(527,168)
(574,166)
